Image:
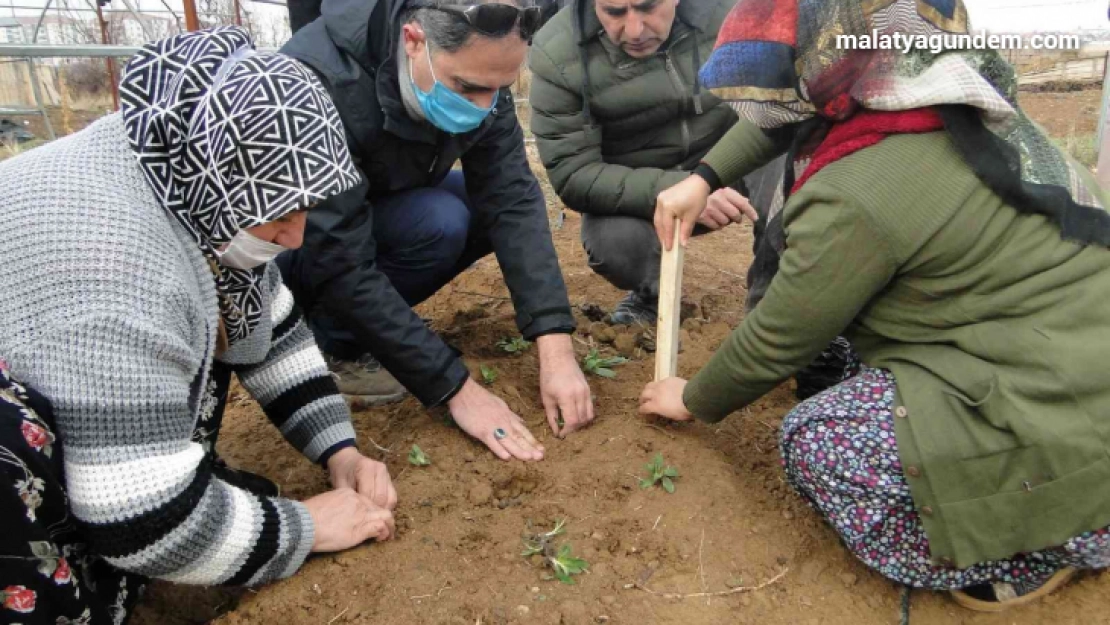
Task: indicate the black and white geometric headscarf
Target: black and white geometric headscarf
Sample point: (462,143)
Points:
(229,138)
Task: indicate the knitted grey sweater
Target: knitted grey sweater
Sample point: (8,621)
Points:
(108,308)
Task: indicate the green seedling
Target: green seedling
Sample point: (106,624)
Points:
(565,565)
(515,345)
(561,561)
(599,366)
(489,375)
(537,543)
(659,474)
(418,458)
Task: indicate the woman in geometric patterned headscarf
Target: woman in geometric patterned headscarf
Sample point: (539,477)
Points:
(136,280)
(936,227)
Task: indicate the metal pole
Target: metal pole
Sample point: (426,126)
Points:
(38,99)
(109,62)
(138,18)
(38,24)
(1104,114)
(91,50)
(1103,136)
(191,21)
(176,17)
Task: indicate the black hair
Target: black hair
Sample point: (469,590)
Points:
(447,31)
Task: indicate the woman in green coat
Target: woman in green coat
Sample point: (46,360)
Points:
(962,254)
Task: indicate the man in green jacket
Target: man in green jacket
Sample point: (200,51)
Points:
(634,124)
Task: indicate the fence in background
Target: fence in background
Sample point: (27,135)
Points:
(21,57)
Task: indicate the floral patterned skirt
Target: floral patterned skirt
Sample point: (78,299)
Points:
(839,452)
(47,574)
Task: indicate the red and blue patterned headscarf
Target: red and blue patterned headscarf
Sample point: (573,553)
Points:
(780,62)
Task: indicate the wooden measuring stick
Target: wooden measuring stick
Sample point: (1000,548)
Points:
(670,308)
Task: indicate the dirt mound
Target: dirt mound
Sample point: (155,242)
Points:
(732,523)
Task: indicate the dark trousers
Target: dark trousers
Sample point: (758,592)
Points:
(424,238)
(626,252)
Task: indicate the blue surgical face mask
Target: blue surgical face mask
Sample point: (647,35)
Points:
(446,109)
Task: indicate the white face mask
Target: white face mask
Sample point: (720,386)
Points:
(246,251)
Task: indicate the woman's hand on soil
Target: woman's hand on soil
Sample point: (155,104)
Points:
(350,469)
(343,519)
(664,398)
(479,413)
(563,386)
(684,201)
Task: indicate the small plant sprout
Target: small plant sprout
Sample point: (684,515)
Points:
(515,345)
(537,543)
(565,565)
(599,366)
(561,561)
(659,474)
(418,458)
(489,375)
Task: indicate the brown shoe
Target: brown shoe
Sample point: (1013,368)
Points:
(1001,596)
(365,382)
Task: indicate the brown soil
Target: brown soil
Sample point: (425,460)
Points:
(1064,113)
(732,521)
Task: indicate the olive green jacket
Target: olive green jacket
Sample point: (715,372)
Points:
(611,143)
(996,330)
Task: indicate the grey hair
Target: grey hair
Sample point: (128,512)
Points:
(447,31)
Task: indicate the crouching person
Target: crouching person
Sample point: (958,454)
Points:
(136,280)
(964,256)
(619,115)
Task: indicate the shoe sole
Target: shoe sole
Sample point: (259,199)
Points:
(1054,583)
(357,402)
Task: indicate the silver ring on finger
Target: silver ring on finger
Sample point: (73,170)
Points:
(500,433)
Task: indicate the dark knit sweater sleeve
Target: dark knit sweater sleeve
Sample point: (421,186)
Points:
(835,262)
(294,387)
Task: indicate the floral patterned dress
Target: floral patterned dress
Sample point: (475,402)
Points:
(47,575)
(840,453)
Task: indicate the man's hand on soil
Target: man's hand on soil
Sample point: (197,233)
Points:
(350,469)
(563,386)
(480,413)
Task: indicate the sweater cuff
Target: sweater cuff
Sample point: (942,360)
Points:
(702,402)
(328,438)
(307,539)
(706,172)
(331,451)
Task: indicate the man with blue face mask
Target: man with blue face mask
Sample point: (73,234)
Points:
(421,85)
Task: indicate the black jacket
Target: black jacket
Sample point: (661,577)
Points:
(351,46)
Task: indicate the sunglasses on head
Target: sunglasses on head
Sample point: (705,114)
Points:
(495,19)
